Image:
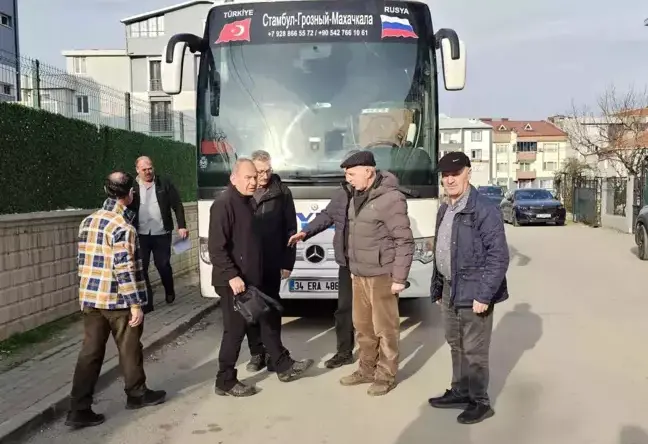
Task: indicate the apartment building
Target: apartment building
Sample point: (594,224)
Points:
(474,138)
(137,68)
(528,153)
(9,50)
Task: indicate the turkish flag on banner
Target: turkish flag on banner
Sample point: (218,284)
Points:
(238,31)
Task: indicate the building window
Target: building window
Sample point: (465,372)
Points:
(476,154)
(476,136)
(547,184)
(502,148)
(550,166)
(82,105)
(155,75)
(6,89)
(525,166)
(80,65)
(527,146)
(6,20)
(550,147)
(152,27)
(502,167)
(161,117)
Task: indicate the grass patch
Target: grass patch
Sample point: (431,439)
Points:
(20,341)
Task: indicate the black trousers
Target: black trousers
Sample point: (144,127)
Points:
(98,325)
(271,286)
(469,337)
(234,329)
(343,314)
(160,246)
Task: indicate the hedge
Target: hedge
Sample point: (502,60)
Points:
(49,162)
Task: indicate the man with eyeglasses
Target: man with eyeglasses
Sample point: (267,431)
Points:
(278,221)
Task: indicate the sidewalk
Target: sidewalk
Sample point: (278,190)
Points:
(37,390)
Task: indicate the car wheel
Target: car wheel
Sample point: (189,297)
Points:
(642,242)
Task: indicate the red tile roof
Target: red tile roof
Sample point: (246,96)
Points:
(525,128)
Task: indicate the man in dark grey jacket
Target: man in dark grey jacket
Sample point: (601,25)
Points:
(380,247)
(469,278)
(335,213)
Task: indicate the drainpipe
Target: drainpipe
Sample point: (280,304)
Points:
(17,51)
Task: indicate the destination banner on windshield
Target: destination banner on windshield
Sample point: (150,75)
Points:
(316,21)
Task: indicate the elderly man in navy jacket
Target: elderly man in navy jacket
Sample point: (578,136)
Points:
(471,260)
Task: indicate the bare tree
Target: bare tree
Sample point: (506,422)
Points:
(616,130)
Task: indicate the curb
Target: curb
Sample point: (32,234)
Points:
(14,430)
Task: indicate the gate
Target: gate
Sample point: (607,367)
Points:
(587,201)
(639,196)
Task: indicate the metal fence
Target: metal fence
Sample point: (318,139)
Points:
(39,85)
(616,195)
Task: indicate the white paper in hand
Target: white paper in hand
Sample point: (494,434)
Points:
(181,245)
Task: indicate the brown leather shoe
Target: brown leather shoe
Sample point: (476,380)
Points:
(356,378)
(380,388)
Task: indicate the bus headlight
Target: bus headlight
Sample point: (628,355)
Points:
(204,251)
(424,249)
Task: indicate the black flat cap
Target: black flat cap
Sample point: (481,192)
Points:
(361,158)
(452,162)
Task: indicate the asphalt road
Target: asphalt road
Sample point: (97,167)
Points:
(569,364)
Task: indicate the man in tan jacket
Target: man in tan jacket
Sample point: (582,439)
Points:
(380,248)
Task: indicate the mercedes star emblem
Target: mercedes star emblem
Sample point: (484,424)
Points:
(314,207)
(314,254)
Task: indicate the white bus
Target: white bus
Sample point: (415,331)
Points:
(308,81)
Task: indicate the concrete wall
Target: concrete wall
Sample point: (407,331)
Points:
(38,278)
(619,223)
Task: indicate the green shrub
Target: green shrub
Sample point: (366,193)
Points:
(50,162)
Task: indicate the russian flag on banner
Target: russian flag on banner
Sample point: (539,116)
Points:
(396,27)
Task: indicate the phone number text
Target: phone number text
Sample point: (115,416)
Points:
(282,33)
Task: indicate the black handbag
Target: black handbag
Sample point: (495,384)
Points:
(253,305)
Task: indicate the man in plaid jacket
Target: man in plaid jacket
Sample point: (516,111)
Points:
(112,291)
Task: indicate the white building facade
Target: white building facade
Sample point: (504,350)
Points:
(137,70)
(475,139)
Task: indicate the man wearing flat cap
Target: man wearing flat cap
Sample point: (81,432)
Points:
(380,251)
(469,278)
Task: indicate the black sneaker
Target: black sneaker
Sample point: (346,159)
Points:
(296,371)
(339,359)
(169,298)
(84,418)
(475,412)
(257,363)
(239,390)
(150,398)
(450,400)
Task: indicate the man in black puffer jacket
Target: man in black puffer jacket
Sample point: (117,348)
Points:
(335,213)
(277,220)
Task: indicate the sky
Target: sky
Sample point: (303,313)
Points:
(526,59)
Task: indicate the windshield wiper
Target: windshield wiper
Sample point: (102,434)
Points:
(314,178)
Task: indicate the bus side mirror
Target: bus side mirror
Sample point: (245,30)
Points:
(172,69)
(173,60)
(453,59)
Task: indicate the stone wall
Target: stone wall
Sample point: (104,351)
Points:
(38,278)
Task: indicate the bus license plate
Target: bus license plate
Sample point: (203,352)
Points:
(301,286)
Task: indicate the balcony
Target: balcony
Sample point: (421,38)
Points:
(525,175)
(526,156)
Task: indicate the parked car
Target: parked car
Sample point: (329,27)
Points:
(641,234)
(532,205)
(493,193)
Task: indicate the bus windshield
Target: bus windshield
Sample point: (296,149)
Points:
(311,94)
